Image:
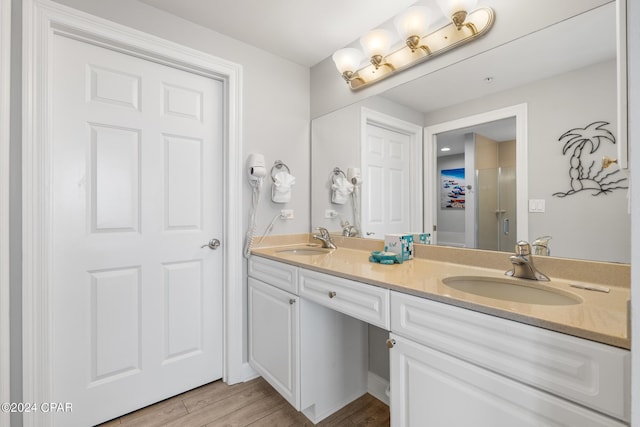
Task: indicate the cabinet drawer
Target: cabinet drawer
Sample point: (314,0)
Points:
(432,388)
(590,373)
(365,302)
(278,274)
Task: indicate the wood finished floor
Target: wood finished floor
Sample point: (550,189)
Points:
(254,403)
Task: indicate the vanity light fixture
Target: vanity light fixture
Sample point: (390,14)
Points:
(419,42)
(376,45)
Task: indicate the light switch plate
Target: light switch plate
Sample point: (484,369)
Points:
(536,205)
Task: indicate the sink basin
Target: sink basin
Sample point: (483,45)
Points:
(511,290)
(304,251)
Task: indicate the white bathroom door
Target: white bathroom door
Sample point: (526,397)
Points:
(136,190)
(386,190)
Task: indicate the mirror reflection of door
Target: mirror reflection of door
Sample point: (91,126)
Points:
(386,165)
(391,171)
(478,205)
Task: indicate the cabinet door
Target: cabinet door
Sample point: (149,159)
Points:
(273,338)
(429,387)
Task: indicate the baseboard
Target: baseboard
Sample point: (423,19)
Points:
(248,373)
(243,372)
(377,387)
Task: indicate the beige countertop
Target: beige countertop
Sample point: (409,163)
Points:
(601,317)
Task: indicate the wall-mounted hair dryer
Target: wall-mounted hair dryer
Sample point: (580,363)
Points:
(354,176)
(256,168)
(256,172)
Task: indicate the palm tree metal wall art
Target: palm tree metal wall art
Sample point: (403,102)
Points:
(584,173)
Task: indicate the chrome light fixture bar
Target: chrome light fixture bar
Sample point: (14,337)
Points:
(411,26)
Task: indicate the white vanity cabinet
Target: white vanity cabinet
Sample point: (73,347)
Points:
(274,336)
(315,357)
(456,367)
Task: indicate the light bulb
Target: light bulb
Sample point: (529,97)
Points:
(412,24)
(347,61)
(376,45)
(457,10)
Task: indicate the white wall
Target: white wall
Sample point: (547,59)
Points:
(556,105)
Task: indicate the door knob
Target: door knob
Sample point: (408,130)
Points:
(213,244)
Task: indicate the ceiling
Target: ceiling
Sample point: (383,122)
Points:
(302,31)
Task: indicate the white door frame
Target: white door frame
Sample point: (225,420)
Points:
(414,131)
(42,19)
(5,108)
(518,111)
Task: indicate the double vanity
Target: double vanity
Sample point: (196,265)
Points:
(467,344)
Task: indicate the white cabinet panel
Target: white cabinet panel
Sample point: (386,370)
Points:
(365,302)
(278,274)
(274,338)
(333,360)
(431,388)
(314,356)
(583,371)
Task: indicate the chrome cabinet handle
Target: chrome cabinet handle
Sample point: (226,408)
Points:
(332,294)
(213,244)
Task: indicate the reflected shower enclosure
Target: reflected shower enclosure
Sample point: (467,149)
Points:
(496,210)
(485,155)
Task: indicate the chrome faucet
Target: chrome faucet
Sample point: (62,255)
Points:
(349,230)
(325,238)
(540,246)
(523,266)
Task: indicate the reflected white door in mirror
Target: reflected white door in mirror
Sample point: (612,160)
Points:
(516,216)
(391,189)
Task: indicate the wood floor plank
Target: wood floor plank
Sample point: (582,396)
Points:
(155,415)
(254,404)
(250,397)
(216,391)
(375,413)
(341,418)
(286,416)
(112,423)
(250,413)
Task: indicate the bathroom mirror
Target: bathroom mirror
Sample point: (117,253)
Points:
(566,76)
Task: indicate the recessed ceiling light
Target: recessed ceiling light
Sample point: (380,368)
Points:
(445,149)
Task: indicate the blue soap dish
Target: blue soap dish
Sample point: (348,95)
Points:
(383,257)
